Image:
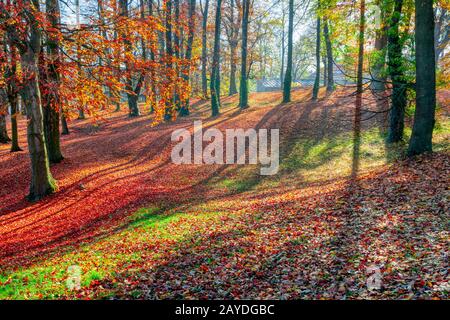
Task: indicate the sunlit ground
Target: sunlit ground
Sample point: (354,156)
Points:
(139,226)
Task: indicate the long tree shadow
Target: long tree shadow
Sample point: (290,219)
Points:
(198,189)
(71,237)
(298,248)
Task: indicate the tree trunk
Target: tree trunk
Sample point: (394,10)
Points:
(13,94)
(359,92)
(233,88)
(329,62)
(177,48)
(232,30)
(117,54)
(133,109)
(42,182)
(65,127)
(317,80)
(422,132)
(288,74)
(4,138)
(152,72)
(398,101)
(52,101)
(243,95)
(169,53)
(283,21)
(381,37)
(204,50)
(14,134)
(362,27)
(133,105)
(184,111)
(81,114)
(215,69)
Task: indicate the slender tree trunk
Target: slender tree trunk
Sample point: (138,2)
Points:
(441,32)
(243,95)
(317,80)
(169,53)
(233,88)
(81,114)
(176,35)
(132,95)
(42,182)
(381,37)
(362,27)
(52,101)
(422,132)
(152,72)
(329,62)
(398,101)
(13,94)
(233,43)
(283,21)
(4,138)
(215,69)
(204,50)
(359,92)
(184,111)
(65,127)
(177,48)
(117,63)
(14,133)
(288,75)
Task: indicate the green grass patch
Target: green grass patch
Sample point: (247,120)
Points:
(104,258)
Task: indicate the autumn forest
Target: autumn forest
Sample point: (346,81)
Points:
(224,149)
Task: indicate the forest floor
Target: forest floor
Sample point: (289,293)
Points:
(342,211)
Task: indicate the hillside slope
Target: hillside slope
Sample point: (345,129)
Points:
(141,227)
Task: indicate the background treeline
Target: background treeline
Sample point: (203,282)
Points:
(61,60)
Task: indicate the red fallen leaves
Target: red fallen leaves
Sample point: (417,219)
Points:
(314,241)
(319,245)
(122,167)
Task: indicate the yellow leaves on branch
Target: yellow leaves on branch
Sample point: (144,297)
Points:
(98,58)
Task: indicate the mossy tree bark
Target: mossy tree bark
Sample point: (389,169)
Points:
(42,182)
(395,68)
(378,83)
(329,61)
(215,77)
(243,94)
(232,25)
(52,101)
